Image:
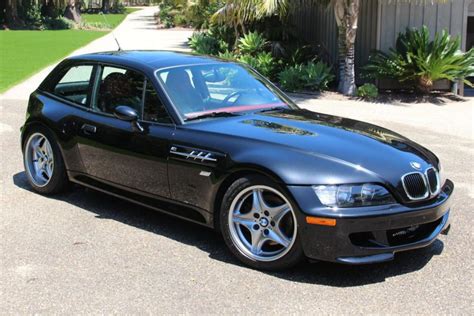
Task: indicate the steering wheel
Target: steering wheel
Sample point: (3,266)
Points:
(233,94)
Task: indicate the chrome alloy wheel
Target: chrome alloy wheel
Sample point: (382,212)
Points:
(39,159)
(262,223)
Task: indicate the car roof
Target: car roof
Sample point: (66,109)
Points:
(148,59)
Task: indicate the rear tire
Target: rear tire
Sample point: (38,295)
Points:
(43,162)
(258,223)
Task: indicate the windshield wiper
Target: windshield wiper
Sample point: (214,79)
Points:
(275,108)
(212,114)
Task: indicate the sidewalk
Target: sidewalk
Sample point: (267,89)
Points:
(137,31)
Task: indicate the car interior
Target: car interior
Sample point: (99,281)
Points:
(120,88)
(75,83)
(201,88)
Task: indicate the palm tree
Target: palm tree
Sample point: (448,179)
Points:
(238,13)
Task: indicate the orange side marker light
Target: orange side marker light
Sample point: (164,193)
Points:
(320,221)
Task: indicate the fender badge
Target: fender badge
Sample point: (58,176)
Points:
(415,165)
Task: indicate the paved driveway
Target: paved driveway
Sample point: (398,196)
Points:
(90,253)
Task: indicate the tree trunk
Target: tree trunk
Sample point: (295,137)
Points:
(11,12)
(341,42)
(3,11)
(346,13)
(73,11)
(341,56)
(48,9)
(105,6)
(348,84)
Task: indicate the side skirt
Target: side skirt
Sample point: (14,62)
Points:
(171,207)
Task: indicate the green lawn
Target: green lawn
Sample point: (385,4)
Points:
(110,20)
(23,53)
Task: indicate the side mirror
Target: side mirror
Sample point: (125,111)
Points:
(125,113)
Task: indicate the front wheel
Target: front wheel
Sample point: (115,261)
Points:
(259,224)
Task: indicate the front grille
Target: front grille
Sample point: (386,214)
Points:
(433,180)
(415,186)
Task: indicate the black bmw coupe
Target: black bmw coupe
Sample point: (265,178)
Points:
(214,142)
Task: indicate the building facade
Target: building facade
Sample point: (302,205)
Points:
(380,22)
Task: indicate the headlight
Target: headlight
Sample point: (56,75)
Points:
(353,195)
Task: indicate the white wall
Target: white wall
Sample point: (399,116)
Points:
(395,17)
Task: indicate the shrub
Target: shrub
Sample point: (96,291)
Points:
(290,78)
(164,12)
(180,19)
(249,60)
(119,8)
(222,33)
(198,15)
(264,63)
(94,26)
(203,43)
(166,19)
(59,23)
(168,22)
(300,54)
(311,76)
(252,43)
(31,15)
(173,12)
(227,55)
(368,90)
(418,61)
(318,76)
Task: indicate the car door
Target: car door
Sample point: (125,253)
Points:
(131,155)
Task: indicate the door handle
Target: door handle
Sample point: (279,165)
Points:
(88,129)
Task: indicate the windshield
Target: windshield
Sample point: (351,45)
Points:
(198,90)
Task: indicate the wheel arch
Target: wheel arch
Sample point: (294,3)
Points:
(29,126)
(236,173)
(26,129)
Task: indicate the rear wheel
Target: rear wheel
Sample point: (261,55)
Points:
(259,224)
(43,162)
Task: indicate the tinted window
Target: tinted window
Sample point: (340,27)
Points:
(119,86)
(75,85)
(153,108)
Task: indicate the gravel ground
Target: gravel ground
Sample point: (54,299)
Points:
(86,252)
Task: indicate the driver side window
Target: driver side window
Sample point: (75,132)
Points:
(153,108)
(118,86)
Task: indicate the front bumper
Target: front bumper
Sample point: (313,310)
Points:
(371,234)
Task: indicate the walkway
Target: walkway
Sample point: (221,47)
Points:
(137,31)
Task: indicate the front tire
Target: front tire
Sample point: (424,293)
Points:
(44,165)
(259,224)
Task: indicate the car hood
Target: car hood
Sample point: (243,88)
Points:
(345,141)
